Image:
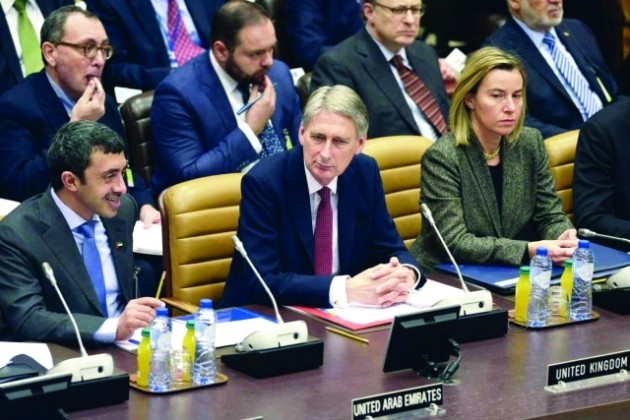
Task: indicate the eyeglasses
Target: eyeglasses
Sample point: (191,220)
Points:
(90,50)
(416,11)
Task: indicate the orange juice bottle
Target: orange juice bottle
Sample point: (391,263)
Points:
(522,295)
(144,358)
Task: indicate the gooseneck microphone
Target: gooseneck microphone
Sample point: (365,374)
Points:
(51,277)
(85,367)
(470,302)
(276,335)
(238,245)
(587,233)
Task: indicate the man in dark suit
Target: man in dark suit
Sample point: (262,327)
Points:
(553,105)
(143,52)
(315,26)
(12,70)
(68,89)
(601,197)
(200,124)
(314,219)
(365,63)
(87,165)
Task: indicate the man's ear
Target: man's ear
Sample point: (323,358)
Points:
(49,51)
(70,181)
(221,51)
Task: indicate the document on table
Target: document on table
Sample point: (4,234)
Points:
(147,241)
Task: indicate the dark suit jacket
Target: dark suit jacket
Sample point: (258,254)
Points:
(195,132)
(140,58)
(457,187)
(276,228)
(37,232)
(314,26)
(30,115)
(601,196)
(359,64)
(10,70)
(549,106)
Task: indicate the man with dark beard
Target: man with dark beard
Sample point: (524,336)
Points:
(223,111)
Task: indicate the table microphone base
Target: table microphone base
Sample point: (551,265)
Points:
(482,326)
(278,360)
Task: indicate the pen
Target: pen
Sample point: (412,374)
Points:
(132,341)
(249,104)
(348,335)
(159,290)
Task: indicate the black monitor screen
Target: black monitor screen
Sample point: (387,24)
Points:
(419,340)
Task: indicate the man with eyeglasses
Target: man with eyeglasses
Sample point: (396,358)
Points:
(568,78)
(74,48)
(395,74)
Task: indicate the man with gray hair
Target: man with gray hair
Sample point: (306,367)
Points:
(314,219)
(568,79)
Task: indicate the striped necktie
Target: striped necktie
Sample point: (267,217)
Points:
(420,95)
(178,36)
(574,78)
(31,54)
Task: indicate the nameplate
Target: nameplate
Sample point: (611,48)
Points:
(402,401)
(591,367)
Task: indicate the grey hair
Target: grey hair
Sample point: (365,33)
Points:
(339,100)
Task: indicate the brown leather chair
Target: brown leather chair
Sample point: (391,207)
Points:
(199,218)
(136,113)
(561,152)
(303,88)
(398,159)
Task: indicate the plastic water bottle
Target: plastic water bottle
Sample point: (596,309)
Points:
(582,293)
(160,373)
(204,367)
(540,277)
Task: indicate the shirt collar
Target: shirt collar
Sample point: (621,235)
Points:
(68,103)
(314,186)
(535,36)
(228,83)
(72,218)
(388,54)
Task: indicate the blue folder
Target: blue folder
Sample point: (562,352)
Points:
(502,279)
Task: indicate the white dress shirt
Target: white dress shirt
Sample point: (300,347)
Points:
(11,15)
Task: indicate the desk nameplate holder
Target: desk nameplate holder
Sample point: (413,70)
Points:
(419,402)
(588,373)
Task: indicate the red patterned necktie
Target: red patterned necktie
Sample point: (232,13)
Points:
(420,95)
(178,36)
(324,234)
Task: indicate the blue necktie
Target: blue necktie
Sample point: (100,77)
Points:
(571,74)
(92,261)
(268,137)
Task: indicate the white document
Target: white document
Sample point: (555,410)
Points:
(7,206)
(38,351)
(147,241)
(431,293)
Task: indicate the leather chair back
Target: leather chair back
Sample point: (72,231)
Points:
(199,218)
(561,152)
(303,88)
(136,113)
(398,159)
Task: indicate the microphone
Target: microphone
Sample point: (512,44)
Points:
(82,368)
(587,233)
(471,302)
(277,335)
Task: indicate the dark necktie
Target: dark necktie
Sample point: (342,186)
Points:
(92,261)
(324,234)
(178,36)
(31,54)
(574,78)
(420,95)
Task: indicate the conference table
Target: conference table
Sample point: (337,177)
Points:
(498,378)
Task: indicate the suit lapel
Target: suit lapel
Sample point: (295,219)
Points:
(116,234)
(378,69)
(61,244)
(9,55)
(346,217)
(298,201)
(145,17)
(481,174)
(200,19)
(512,185)
(53,111)
(214,91)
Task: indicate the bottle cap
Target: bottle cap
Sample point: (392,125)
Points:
(163,311)
(205,303)
(541,250)
(524,269)
(583,243)
(568,263)
(146,332)
(190,324)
